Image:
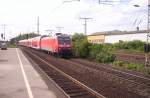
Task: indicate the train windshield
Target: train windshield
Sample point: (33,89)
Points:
(64,40)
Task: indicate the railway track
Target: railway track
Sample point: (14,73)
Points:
(134,58)
(138,79)
(99,80)
(70,86)
(138,82)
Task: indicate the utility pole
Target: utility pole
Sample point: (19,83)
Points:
(148,33)
(85,24)
(59,29)
(99,1)
(38,25)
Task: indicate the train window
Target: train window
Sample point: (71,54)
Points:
(64,40)
(67,40)
(61,40)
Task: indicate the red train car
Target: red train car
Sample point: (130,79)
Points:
(59,44)
(36,42)
(30,42)
(23,42)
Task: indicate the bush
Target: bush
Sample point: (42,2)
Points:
(118,63)
(94,50)
(101,53)
(135,45)
(134,66)
(131,66)
(104,57)
(127,65)
(80,45)
(83,48)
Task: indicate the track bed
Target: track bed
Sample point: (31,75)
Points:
(106,82)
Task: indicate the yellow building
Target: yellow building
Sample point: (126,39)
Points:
(96,39)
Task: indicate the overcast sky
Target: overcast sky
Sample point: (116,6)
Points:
(20,16)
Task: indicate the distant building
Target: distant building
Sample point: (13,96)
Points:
(96,39)
(116,36)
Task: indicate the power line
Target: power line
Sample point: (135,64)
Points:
(51,31)
(59,29)
(60,5)
(108,2)
(38,25)
(85,24)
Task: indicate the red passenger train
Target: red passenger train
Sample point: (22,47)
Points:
(60,44)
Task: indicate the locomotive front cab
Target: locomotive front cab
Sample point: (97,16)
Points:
(64,45)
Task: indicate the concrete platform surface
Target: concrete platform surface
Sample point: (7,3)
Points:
(18,79)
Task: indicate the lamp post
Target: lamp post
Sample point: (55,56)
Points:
(148,33)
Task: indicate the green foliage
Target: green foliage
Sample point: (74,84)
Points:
(135,45)
(78,37)
(127,65)
(118,63)
(11,45)
(80,45)
(21,37)
(94,50)
(131,66)
(99,52)
(104,57)
(103,52)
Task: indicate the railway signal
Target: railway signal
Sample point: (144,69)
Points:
(2,36)
(147,48)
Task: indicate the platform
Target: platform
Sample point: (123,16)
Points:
(18,79)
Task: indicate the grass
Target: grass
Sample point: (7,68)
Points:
(129,66)
(148,72)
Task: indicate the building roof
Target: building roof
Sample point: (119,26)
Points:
(117,32)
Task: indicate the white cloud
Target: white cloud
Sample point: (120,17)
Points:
(21,15)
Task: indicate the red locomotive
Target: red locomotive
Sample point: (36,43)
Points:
(60,44)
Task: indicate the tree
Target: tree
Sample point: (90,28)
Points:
(80,45)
